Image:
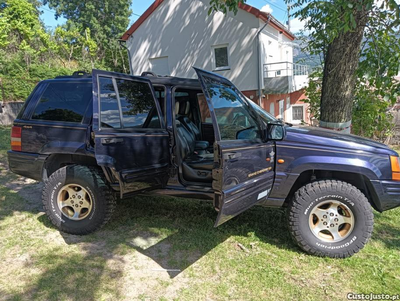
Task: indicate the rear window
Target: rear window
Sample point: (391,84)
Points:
(64,101)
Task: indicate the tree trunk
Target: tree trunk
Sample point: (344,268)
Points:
(339,77)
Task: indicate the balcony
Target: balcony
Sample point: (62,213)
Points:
(284,77)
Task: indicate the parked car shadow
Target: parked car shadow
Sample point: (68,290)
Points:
(170,235)
(175,233)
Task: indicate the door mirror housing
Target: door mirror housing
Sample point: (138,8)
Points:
(275,132)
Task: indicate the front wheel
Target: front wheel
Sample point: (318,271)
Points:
(77,199)
(330,218)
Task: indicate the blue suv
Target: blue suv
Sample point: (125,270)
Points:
(95,138)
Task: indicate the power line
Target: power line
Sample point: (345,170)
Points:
(51,11)
(276,6)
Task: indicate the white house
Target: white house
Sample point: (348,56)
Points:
(250,48)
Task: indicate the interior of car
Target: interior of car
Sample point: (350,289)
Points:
(196,154)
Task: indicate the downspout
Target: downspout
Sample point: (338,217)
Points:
(122,43)
(260,67)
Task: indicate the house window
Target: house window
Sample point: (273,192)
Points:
(297,113)
(281,109)
(221,57)
(272,109)
(159,65)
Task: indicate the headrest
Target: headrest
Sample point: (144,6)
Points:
(187,108)
(176,107)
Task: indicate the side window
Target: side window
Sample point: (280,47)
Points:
(63,101)
(135,109)
(137,105)
(233,114)
(160,96)
(109,115)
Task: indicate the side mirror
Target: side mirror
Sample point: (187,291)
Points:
(275,132)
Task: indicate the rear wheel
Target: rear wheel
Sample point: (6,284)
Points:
(330,218)
(77,199)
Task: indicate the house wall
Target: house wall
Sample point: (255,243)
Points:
(275,46)
(182,35)
(295,99)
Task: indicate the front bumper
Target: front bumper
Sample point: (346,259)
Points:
(26,164)
(387,194)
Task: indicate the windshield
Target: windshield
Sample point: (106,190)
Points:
(266,117)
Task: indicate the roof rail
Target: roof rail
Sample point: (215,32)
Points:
(148,73)
(80,74)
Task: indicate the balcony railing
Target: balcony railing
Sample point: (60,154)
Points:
(284,77)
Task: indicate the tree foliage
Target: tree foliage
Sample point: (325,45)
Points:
(225,5)
(365,91)
(30,53)
(380,49)
(375,90)
(107,20)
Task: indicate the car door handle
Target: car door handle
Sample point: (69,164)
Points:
(231,156)
(111,140)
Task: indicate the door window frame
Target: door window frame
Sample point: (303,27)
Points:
(164,114)
(97,97)
(221,80)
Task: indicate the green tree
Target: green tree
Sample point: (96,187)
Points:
(28,53)
(344,31)
(73,46)
(107,21)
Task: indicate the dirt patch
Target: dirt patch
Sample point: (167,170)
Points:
(141,272)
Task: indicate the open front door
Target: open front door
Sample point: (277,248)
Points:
(130,134)
(245,162)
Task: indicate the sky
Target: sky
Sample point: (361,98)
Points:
(277,7)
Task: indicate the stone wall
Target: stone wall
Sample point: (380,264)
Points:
(9,111)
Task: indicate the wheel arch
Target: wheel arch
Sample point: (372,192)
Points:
(358,180)
(57,161)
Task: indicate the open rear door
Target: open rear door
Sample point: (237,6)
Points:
(129,131)
(244,172)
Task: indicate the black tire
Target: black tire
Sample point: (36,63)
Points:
(311,199)
(102,199)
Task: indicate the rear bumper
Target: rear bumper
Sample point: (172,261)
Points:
(26,164)
(387,194)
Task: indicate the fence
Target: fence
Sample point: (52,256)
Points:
(9,111)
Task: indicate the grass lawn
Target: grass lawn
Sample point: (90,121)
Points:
(162,248)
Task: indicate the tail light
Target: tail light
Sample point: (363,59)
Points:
(395,163)
(16,144)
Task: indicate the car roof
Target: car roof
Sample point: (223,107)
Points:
(155,80)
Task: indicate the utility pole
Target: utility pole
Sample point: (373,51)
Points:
(288,16)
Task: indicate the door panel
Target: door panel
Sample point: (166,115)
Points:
(245,177)
(245,172)
(130,134)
